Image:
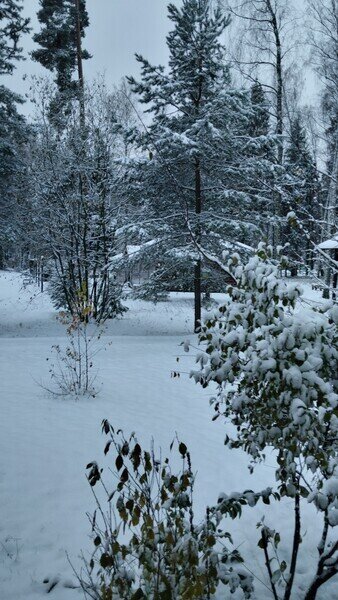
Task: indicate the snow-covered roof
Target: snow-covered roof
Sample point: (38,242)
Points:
(132,250)
(329,244)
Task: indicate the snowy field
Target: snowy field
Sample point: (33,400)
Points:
(46,442)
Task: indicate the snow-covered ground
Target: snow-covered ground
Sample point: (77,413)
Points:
(46,442)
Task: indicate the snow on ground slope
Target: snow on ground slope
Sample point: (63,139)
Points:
(26,312)
(46,442)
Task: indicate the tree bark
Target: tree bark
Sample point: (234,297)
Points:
(330,217)
(79,62)
(279,115)
(198,266)
(268,564)
(319,581)
(295,548)
(324,572)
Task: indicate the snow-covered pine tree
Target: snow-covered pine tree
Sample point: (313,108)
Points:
(13,129)
(198,182)
(63,24)
(259,123)
(303,192)
(13,26)
(14,134)
(260,130)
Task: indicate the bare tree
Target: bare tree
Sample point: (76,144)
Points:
(264,52)
(76,206)
(267,40)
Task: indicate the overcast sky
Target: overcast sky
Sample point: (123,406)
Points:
(118,29)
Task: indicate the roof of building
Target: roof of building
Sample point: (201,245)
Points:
(329,244)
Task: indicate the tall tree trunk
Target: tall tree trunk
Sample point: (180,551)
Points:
(198,266)
(295,548)
(279,97)
(327,568)
(82,183)
(79,62)
(279,116)
(331,215)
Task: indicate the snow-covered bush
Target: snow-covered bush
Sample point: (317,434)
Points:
(149,544)
(275,363)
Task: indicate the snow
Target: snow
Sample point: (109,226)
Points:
(298,410)
(46,442)
(330,487)
(329,244)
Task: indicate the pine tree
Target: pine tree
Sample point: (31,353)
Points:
(63,24)
(259,123)
(303,189)
(13,130)
(195,75)
(13,136)
(197,188)
(13,25)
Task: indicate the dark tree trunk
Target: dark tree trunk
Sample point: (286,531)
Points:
(198,266)
(324,572)
(79,62)
(321,578)
(295,549)
(198,299)
(335,277)
(279,114)
(82,184)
